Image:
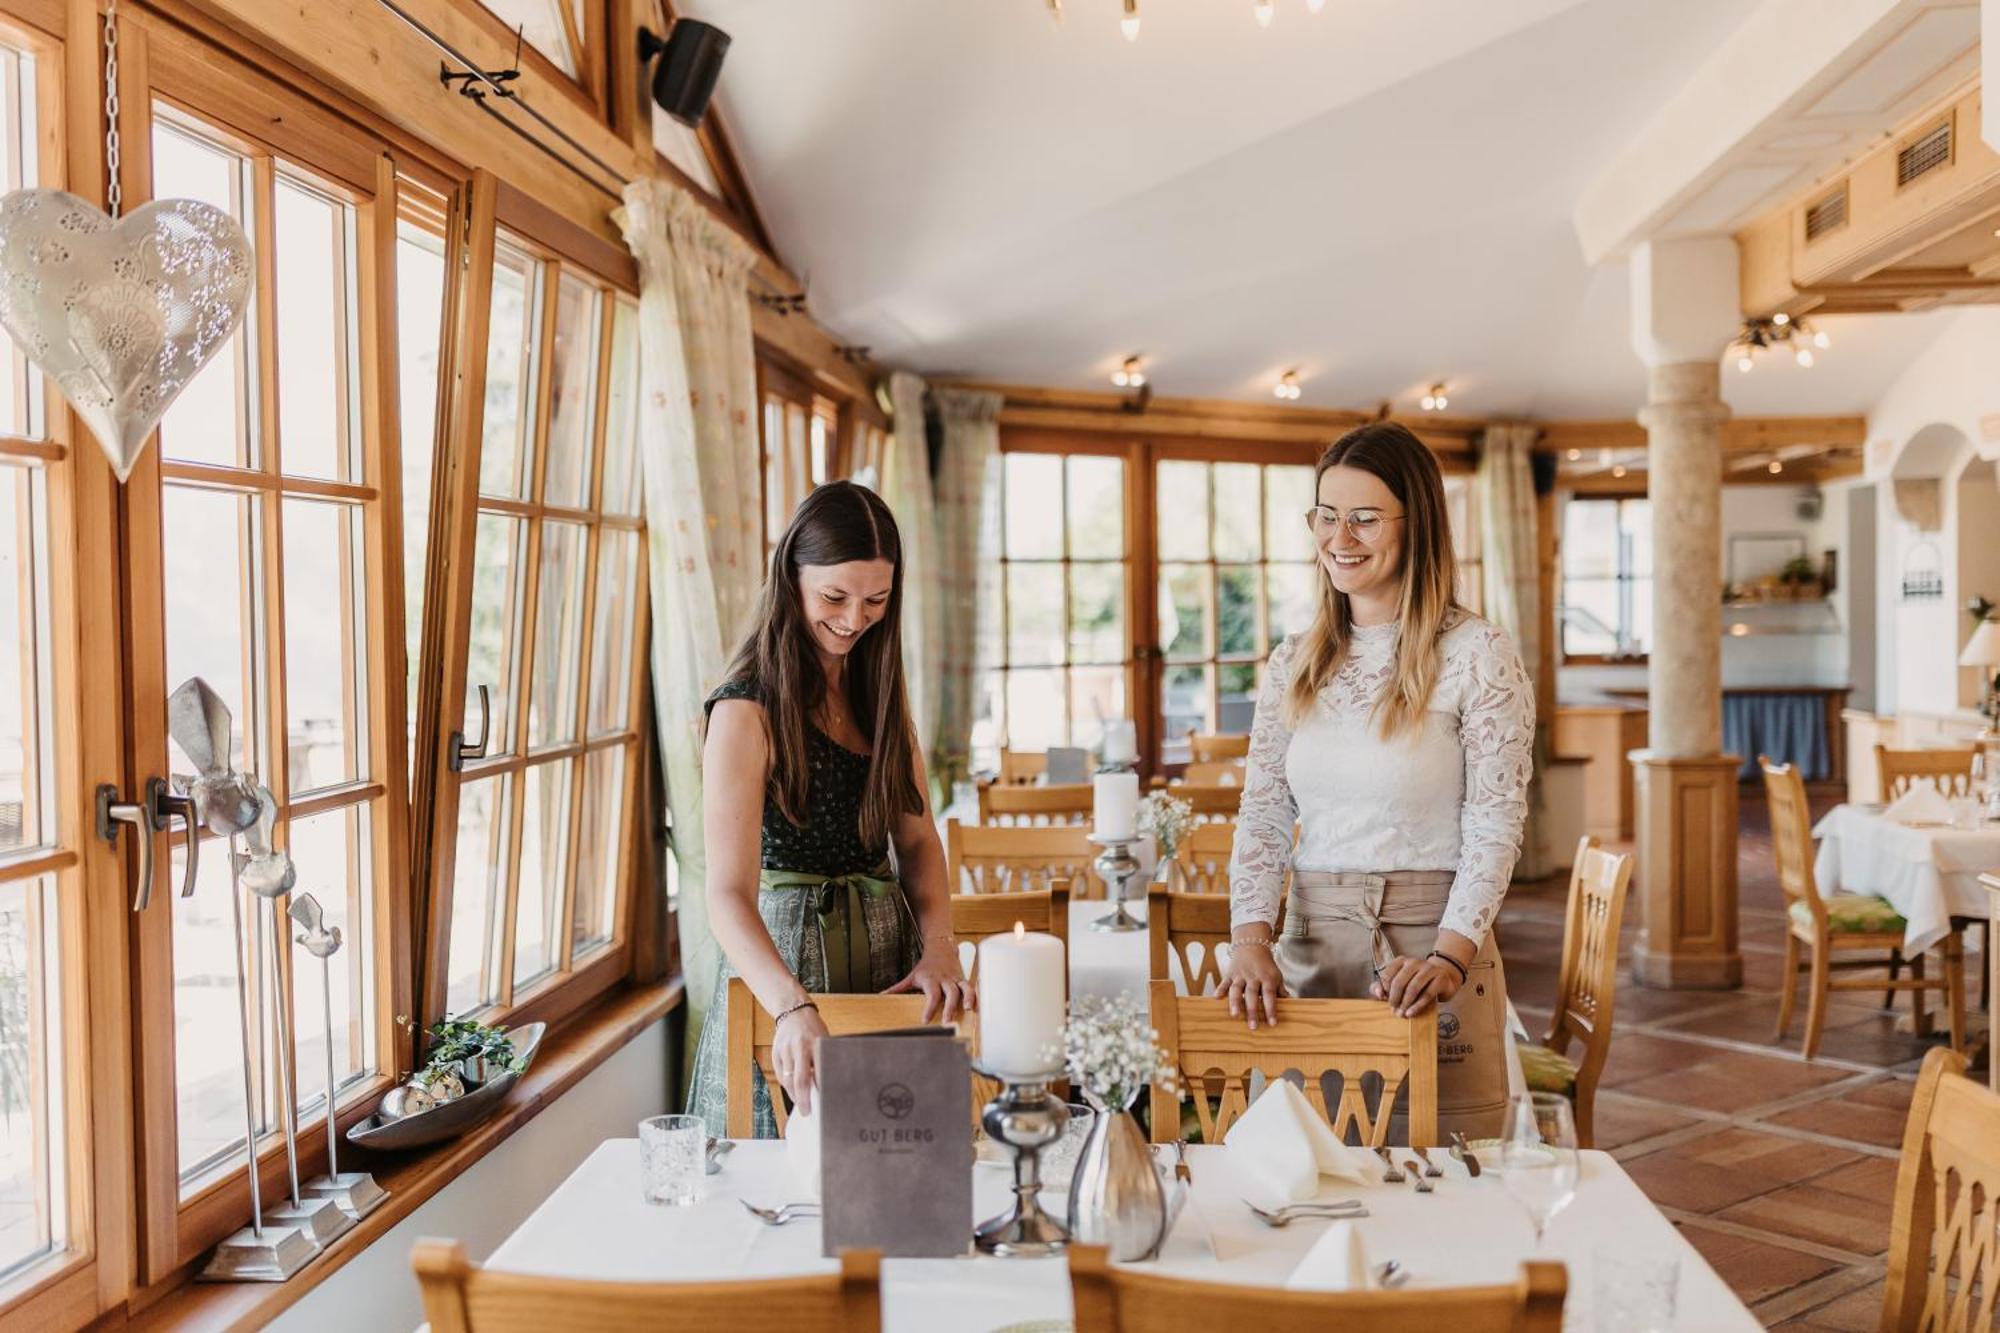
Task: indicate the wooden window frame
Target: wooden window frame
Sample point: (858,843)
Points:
(1564,657)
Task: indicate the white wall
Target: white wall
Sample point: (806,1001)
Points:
(484,1206)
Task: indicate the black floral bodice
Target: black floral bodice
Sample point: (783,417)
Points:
(829,842)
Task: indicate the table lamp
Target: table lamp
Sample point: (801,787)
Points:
(1982,650)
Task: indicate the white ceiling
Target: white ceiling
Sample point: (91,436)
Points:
(1380,194)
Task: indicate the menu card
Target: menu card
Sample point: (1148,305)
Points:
(895,1113)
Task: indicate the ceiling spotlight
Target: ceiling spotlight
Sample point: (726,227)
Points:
(1777,466)
(1314,6)
(1781,319)
(1129,25)
(1287,386)
(1128,375)
(1435,400)
(1805,357)
(1821,341)
(1265,10)
(1618,471)
(1744,363)
(1573,454)
(1055,12)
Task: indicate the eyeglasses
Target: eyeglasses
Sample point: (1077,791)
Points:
(1364,525)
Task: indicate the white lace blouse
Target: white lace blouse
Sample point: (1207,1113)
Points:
(1451,795)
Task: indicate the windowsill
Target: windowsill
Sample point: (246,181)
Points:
(586,1041)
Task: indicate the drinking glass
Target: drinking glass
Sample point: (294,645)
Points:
(1538,1157)
(1634,1293)
(672,1158)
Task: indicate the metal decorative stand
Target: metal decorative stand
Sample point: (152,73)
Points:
(1116,865)
(1026,1117)
(355,1193)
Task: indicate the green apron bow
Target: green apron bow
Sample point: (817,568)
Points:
(843,930)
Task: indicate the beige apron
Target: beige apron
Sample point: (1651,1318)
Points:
(1339,928)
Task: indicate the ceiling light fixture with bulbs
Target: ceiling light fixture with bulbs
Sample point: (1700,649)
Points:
(1129,375)
(1264,11)
(1129,25)
(1287,386)
(1758,336)
(1435,400)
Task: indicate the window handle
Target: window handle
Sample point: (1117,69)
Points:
(460,751)
(148,816)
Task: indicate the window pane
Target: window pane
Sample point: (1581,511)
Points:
(1590,539)
(1639,616)
(1635,520)
(1183,611)
(496,625)
(1238,684)
(1590,615)
(1288,493)
(1294,593)
(621,417)
(331,850)
(611,638)
(419,314)
(208,1017)
(1097,695)
(540,23)
(1096,508)
(1097,613)
(599,855)
(1183,501)
(1183,708)
(212,420)
(326,658)
(21,405)
(315,353)
(1034,615)
(1035,710)
(32,1175)
(989,707)
(1033,519)
(472,967)
(1239,512)
(26,735)
(544,855)
(512,344)
(211,574)
(573,394)
(558,636)
(1236,609)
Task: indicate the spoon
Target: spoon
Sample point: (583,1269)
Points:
(777,1217)
(1323,1212)
(717,1150)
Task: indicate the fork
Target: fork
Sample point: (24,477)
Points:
(777,1217)
(1181,1172)
(1431,1168)
(1319,1212)
(1417,1173)
(1395,1175)
(1390,1273)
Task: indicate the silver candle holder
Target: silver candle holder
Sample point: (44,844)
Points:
(1027,1118)
(1116,866)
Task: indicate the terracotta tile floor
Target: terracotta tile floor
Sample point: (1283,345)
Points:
(1781,1173)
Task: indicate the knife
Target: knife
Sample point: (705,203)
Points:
(1464,1154)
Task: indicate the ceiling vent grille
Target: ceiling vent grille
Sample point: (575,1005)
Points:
(1827,214)
(1924,154)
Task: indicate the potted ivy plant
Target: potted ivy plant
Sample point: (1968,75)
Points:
(1799,578)
(475,1051)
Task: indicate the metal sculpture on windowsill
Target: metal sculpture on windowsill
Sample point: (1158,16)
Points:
(233,805)
(353,1192)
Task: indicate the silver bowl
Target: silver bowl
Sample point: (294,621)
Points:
(448,1119)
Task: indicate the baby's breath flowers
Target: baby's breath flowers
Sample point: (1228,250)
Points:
(1167,818)
(1112,1051)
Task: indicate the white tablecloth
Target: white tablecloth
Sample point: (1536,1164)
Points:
(1928,874)
(1469,1231)
(1110,963)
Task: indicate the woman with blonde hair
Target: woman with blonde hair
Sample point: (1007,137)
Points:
(1397,734)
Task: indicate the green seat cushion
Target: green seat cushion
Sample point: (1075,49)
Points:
(1546,1070)
(1852,913)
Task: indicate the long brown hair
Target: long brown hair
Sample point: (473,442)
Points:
(1429,571)
(837,523)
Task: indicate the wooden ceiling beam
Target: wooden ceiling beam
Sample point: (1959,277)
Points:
(1739,435)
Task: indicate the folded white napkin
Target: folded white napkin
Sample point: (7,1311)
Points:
(1338,1261)
(1282,1147)
(802,1151)
(1922,803)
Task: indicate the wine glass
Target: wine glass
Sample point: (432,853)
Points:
(1538,1157)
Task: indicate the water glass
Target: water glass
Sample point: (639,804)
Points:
(1634,1294)
(1538,1160)
(673,1152)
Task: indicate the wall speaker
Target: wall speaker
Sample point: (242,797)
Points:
(690,62)
(1542,468)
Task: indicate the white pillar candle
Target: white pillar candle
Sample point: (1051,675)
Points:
(1021,1001)
(1121,742)
(1115,801)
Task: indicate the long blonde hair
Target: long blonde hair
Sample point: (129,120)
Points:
(1429,571)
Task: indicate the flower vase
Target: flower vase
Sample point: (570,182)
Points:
(1115,1197)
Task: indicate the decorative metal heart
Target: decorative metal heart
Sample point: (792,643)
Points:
(121,315)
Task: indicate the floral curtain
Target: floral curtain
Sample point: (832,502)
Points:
(906,485)
(968,528)
(1511,583)
(699,449)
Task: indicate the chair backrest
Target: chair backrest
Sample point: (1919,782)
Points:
(1204,856)
(1020,768)
(1949,769)
(1187,927)
(1943,1260)
(1214,773)
(1214,1055)
(1206,749)
(975,916)
(1791,835)
(1005,859)
(1588,979)
(1212,803)
(1111,1299)
(461,1297)
(751,1030)
(1064,803)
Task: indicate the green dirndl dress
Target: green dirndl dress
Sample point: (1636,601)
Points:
(835,912)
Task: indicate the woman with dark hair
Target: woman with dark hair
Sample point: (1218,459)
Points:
(1397,734)
(810,774)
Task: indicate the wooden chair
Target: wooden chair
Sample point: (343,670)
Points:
(1022,768)
(1177,924)
(1584,990)
(751,1030)
(1204,857)
(461,1297)
(1845,923)
(1064,803)
(1213,804)
(1950,769)
(1207,749)
(975,916)
(980,859)
(1943,1261)
(1214,773)
(1110,1299)
(1214,1055)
